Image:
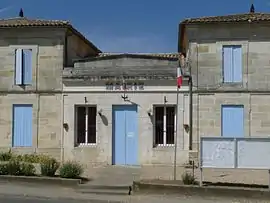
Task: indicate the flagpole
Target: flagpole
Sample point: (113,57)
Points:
(176,132)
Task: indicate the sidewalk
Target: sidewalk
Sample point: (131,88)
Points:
(124,176)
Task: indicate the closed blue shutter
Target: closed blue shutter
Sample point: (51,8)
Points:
(27,66)
(18,66)
(232,121)
(232,64)
(22,125)
(227,64)
(237,64)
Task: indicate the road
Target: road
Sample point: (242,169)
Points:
(21,199)
(156,199)
(32,193)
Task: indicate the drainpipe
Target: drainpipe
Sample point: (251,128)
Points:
(62,128)
(190,109)
(38,97)
(190,91)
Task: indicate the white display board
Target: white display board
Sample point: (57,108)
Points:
(217,152)
(253,153)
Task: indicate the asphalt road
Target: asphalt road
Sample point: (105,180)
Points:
(21,199)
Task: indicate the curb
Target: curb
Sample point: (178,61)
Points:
(64,199)
(104,187)
(41,180)
(192,190)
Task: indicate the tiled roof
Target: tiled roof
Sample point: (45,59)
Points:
(22,22)
(25,22)
(254,17)
(159,55)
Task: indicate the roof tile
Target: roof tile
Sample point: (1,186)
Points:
(255,17)
(162,55)
(25,22)
(22,22)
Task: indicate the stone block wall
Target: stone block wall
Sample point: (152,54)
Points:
(47,122)
(101,153)
(207,114)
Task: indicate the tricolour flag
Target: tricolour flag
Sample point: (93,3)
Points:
(179,77)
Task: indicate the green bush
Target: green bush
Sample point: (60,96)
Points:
(188,179)
(4,169)
(6,156)
(27,169)
(14,168)
(32,158)
(49,167)
(71,169)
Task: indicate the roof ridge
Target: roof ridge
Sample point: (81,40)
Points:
(34,19)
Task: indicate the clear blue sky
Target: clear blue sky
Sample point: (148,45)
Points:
(128,25)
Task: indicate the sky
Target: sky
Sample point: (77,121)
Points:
(128,26)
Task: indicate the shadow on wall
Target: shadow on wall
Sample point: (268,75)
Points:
(104,120)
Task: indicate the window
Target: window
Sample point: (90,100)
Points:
(164,127)
(86,125)
(232,121)
(23,67)
(232,64)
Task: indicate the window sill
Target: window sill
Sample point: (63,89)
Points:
(86,145)
(232,83)
(160,146)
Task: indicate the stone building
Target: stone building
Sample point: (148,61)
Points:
(103,109)
(33,54)
(121,109)
(228,57)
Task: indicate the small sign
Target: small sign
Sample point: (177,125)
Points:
(131,86)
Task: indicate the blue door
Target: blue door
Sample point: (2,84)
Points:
(232,121)
(22,125)
(125,135)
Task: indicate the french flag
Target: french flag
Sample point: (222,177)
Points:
(179,77)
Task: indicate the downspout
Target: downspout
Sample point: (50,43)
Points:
(190,91)
(38,102)
(65,63)
(190,109)
(62,129)
(247,82)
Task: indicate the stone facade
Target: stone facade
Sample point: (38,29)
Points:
(93,90)
(101,153)
(45,93)
(205,55)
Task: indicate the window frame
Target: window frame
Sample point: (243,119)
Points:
(164,124)
(76,144)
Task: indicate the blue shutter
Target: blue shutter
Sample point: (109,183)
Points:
(18,67)
(22,125)
(232,121)
(227,64)
(237,64)
(27,66)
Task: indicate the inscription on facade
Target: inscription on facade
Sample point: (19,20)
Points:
(131,86)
